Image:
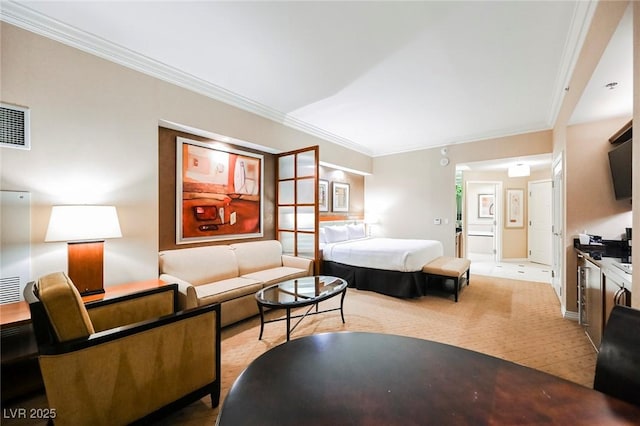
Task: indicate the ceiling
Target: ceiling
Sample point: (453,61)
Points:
(377,77)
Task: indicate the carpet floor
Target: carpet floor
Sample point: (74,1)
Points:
(519,321)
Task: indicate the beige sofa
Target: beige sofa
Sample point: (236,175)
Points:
(229,274)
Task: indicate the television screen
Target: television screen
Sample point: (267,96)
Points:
(620,163)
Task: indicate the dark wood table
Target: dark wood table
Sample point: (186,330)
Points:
(298,293)
(381,379)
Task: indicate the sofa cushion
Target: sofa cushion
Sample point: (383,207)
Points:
(276,275)
(200,265)
(221,291)
(257,255)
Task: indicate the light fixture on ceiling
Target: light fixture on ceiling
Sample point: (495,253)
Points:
(519,170)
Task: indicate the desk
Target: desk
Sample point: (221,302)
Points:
(369,378)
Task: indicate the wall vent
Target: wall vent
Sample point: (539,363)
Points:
(9,290)
(14,127)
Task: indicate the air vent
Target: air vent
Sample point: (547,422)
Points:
(14,127)
(9,290)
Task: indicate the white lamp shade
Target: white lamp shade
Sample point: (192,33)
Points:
(83,223)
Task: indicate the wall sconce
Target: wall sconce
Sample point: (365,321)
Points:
(84,228)
(519,170)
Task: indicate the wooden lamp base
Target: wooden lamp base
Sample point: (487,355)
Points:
(85,266)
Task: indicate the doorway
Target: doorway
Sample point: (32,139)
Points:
(483,201)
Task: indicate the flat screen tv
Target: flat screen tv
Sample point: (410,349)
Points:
(620,163)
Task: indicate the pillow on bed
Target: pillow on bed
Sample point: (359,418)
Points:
(336,233)
(323,236)
(356,231)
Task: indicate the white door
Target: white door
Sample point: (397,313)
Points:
(558,220)
(483,221)
(540,222)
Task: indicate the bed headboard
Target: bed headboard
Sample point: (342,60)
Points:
(326,223)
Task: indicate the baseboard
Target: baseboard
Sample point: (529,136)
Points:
(570,315)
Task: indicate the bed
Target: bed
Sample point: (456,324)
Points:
(390,266)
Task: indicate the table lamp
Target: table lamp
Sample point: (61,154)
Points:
(84,228)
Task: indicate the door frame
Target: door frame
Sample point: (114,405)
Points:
(298,205)
(557,228)
(497,219)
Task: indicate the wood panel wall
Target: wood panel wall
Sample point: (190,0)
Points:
(356,194)
(167,191)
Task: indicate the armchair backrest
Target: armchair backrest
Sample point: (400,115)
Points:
(66,313)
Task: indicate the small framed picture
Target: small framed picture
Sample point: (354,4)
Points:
(515,200)
(485,206)
(340,197)
(323,195)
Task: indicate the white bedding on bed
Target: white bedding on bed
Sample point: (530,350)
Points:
(395,254)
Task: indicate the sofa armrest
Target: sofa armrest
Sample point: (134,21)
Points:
(187,297)
(298,262)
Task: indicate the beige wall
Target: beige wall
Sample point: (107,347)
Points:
(590,203)
(408,191)
(94,139)
(604,23)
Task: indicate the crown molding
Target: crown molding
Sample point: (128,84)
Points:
(580,22)
(28,19)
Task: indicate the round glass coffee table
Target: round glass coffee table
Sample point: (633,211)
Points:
(300,292)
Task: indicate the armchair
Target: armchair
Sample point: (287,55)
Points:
(125,359)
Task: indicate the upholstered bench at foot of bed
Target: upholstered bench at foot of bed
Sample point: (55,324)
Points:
(454,268)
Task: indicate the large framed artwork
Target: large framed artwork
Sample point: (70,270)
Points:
(340,197)
(323,195)
(485,206)
(515,200)
(218,192)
